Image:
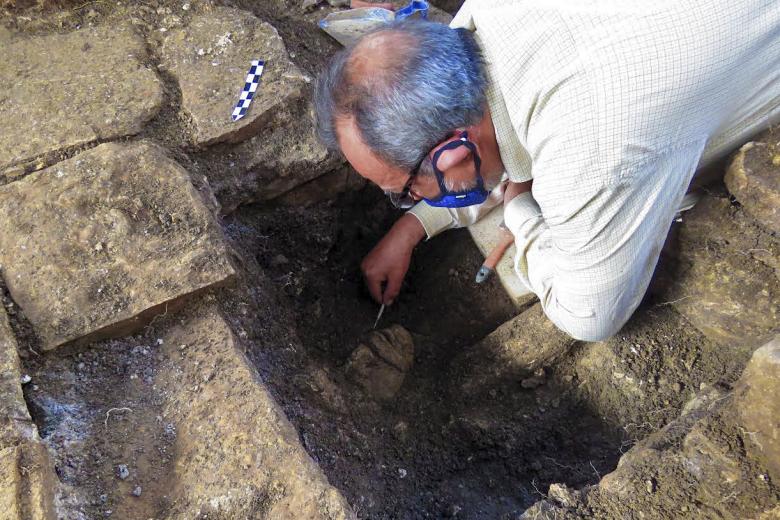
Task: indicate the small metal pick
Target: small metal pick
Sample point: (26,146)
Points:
(378,316)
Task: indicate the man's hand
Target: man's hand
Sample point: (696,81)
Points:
(389,260)
(513,189)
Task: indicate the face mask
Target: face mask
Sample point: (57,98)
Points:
(458,199)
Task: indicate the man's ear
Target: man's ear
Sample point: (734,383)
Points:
(451,158)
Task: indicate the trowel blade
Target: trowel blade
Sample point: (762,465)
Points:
(378,316)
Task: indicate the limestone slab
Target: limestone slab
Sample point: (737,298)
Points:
(27,483)
(759,406)
(210,58)
(63,90)
(284,155)
(754,179)
(486,234)
(95,245)
(237,455)
(15,422)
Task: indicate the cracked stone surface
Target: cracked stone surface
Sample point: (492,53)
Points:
(754,179)
(94,87)
(758,406)
(210,58)
(15,422)
(94,246)
(241,459)
(27,480)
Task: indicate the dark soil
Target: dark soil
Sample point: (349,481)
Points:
(432,452)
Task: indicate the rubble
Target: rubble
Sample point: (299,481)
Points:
(95,87)
(727,281)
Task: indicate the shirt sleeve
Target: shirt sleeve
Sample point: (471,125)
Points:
(588,252)
(435,220)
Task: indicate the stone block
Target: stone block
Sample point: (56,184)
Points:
(27,483)
(210,58)
(15,422)
(282,157)
(485,234)
(380,363)
(727,281)
(754,179)
(237,456)
(513,351)
(95,245)
(65,90)
(758,404)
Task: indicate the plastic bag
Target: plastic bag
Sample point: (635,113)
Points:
(348,26)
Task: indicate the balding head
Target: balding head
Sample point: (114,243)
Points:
(405,87)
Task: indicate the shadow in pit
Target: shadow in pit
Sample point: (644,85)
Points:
(433,451)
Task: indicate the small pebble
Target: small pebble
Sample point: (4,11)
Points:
(650,485)
(137,491)
(402,472)
(122,471)
(185,7)
(160,341)
(25,379)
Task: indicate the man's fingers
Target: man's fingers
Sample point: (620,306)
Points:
(392,289)
(374,284)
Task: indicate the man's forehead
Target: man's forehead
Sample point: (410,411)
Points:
(363,159)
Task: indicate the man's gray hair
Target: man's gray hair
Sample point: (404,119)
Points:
(409,98)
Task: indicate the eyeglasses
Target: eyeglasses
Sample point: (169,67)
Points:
(403,199)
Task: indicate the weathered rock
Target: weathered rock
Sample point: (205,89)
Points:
(15,422)
(754,178)
(727,281)
(759,405)
(210,59)
(27,483)
(285,155)
(241,458)
(512,352)
(65,90)
(95,245)
(379,365)
(687,469)
(27,480)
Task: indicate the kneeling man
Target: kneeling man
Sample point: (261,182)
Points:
(587,120)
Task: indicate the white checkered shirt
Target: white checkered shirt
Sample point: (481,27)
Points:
(610,106)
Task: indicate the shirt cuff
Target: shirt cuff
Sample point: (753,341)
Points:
(433,220)
(520,210)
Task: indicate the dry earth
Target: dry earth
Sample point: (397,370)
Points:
(185,332)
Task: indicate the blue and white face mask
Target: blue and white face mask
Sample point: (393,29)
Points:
(458,199)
